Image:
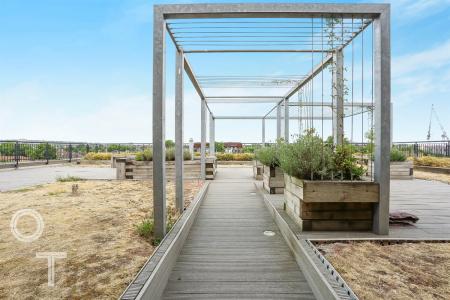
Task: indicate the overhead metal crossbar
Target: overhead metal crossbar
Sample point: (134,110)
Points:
(299,34)
(331,90)
(265,118)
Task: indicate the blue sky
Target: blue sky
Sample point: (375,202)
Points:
(82,70)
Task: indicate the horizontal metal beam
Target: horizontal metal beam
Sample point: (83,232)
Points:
(317,69)
(355,35)
(256,51)
(319,103)
(267,118)
(270,10)
(172,37)
(246,100)
(243,99)
(190,74)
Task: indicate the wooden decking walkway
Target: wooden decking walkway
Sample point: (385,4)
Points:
(227,255)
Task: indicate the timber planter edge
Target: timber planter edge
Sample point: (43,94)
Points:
(258,170)
(330,205)
(402,169)
(127,168)
(273,180)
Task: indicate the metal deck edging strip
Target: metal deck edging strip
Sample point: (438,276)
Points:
(322,280)
(150,282)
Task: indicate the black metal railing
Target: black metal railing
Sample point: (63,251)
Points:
(15,152)
(425,148)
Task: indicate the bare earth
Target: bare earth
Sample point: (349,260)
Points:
(432,176)
(96,228)
(403,271)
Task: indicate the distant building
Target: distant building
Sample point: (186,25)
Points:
(230,147)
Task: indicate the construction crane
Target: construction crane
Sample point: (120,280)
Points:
(444,135)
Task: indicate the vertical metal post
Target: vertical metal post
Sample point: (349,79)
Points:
(447,149)
(70,152)
(278,122)
(191,148)
(392,124)
(212,135)
(179,137)
(17,154)
(286,120)
(203,140)
(159,112)
(382,93)
(46,154)
(338,97)
(263,133)
(416,150)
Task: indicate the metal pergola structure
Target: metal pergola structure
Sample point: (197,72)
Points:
(257,37)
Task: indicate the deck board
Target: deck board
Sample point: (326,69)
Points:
(227,256)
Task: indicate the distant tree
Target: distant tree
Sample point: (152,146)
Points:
(170,144)
(248,149)
(220,147)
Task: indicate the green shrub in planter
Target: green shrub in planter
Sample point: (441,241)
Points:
(187,155)
(224,156)
(397,155)
(344,164)
(97,156)
(307,158)
(268,156)
(243,156)
(311,158)
(146,155)
(170,154)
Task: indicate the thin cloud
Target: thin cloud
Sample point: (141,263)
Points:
(421,75)
(409,11)
(430,59)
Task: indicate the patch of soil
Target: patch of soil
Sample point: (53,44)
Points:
(401,271)
(96,227)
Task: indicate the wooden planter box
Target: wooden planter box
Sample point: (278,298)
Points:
(398,169)
(257,170)
(211,168)
(273,180)
(402,169)
(330,205)
(127,168)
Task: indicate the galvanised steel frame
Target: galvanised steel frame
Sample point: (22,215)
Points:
(379,13)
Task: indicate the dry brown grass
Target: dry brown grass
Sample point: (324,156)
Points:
(431,161)
(97,229)
(432,176)
(403,271)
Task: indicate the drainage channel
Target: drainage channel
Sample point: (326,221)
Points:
(330,273)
